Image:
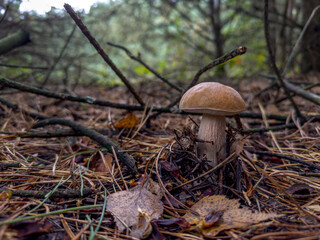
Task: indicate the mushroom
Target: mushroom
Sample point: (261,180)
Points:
(215,101)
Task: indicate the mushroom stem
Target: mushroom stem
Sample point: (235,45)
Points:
(212,131)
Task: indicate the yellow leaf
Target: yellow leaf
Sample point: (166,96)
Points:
(218,213)
(128,121)
(5,195)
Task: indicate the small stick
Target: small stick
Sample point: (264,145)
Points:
(102,53)
(68,193)
(116,158)
(98,137)
(294,50)
(292,159)
(17,108)
(138,59)
(228,56)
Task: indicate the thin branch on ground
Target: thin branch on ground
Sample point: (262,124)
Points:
(17,108)
(62,96)
(102,53)
(124,157)
(302,92)
(68,193)
(138,59)
(273,59)
(291,159)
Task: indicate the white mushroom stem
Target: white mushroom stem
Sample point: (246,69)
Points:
(212,132)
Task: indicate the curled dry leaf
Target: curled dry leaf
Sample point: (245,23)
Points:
(217,213)
(128,121)
(135,209)
(97,164)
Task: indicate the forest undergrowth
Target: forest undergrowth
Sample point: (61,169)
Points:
(55,184)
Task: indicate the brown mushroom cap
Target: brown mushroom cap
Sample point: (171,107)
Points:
(212,98)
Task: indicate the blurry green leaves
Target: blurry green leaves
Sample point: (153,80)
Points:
(141,70)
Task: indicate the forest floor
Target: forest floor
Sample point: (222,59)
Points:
(59,187)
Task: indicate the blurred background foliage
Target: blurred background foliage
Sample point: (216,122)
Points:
(176,38)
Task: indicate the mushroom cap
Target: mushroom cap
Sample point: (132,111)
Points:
(212,98)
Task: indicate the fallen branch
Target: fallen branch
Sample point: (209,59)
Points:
(291,159)
(303,93)
(17,108)
(57,194)
(102,53)
(124,157)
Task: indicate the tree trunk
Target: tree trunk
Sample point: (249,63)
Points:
(311,40)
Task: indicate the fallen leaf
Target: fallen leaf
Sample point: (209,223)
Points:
(128,121)
(98,165)
(5,195)
(135,209)
(218,213)
(31,229)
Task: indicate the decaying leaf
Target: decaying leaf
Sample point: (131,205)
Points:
(134,209)
(217,213)
(97,164)
(128,121)
(31,229)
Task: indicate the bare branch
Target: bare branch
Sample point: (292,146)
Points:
(98,137)
(102,53)
(138,59)
(234,53)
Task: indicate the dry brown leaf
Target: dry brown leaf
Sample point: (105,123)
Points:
(135,209)
(128,121)
(98,165)
(217,213)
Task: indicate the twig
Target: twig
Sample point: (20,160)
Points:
(46,79)
(292,159)
(98,137)
(4,14)
(138,59)
(294,50)
(16,108)
(22,66)
(303,93)
(265,129)
(234,53)
(300,91)
(273,59)
(42,194)
(8,83)
(97,46)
